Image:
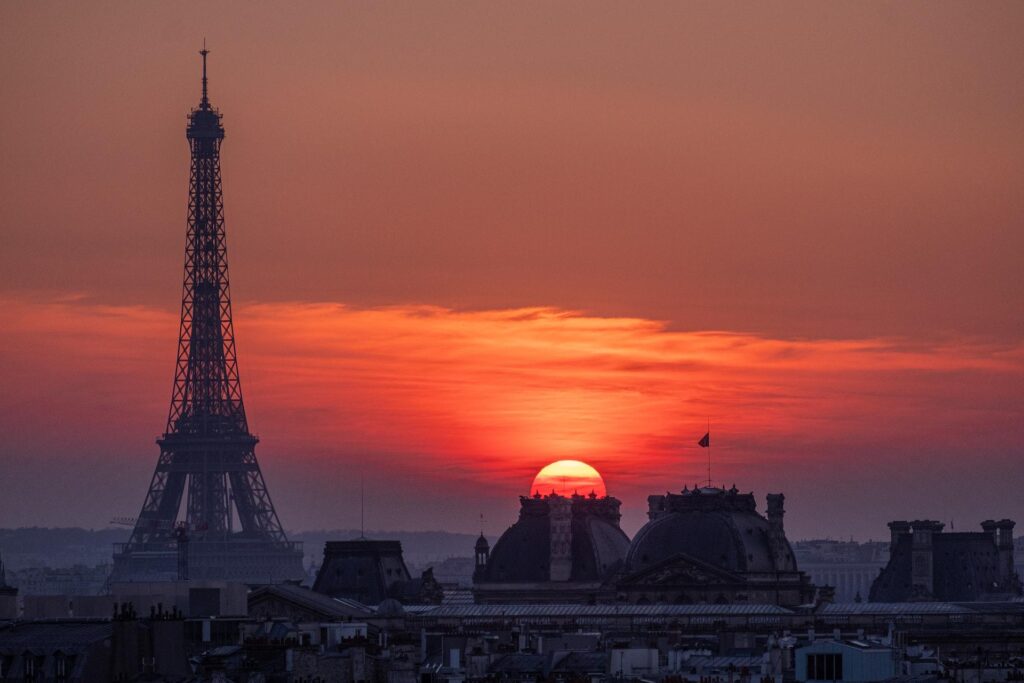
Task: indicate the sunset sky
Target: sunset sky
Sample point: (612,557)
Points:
(467,240)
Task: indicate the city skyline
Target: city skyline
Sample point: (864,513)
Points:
(439,295)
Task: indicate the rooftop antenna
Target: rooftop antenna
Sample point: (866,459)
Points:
(205,103)
(709,452)
(362,507)
(705,442)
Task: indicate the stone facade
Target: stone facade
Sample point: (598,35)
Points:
(926,563)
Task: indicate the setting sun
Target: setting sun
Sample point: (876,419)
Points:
(566,477)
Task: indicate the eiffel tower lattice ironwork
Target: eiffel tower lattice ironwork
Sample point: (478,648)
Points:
(207,452)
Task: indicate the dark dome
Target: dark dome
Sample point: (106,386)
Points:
(481,544)
(523,553)
(715,526)
(390,608)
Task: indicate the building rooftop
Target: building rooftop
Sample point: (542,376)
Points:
(623,610)
(50,635)
(894,608)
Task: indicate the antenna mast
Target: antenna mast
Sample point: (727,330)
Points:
(205,103)
(709,452)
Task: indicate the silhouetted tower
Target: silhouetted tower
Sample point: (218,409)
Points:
(207,449)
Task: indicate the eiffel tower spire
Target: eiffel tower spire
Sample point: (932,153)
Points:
(207,448)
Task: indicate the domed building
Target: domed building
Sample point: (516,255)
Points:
(710,545)
(562,549)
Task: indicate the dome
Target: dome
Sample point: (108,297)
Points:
(595,547)
(716,526)
(390,608)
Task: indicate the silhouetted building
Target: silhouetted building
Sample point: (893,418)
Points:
(709,545)
(560,550)
(56,651)
(8,596)
(927,564)
(371,572)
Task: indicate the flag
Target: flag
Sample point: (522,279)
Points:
(705,440)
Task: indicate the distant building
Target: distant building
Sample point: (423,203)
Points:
(76,580)
(8,596)
(710,545)
(848,566)
(562,549)
(927,564)
(372,571)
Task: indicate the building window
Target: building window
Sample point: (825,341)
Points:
(825,667)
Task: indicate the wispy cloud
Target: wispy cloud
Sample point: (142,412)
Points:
(491,396)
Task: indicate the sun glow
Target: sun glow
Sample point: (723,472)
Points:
(479,401)
(566,477)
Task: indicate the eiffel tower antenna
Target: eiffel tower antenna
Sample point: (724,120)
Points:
(207,448)
(205,102)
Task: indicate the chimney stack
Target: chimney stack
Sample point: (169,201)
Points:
(897,529)
(922,565)
(1004,541)
(776,529)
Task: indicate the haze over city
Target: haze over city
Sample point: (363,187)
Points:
(470,241)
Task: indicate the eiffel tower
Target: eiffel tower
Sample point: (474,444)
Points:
(207,452)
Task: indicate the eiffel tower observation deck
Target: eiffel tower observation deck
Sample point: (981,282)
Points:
(229,529)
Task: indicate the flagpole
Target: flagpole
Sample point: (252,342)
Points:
(709,452)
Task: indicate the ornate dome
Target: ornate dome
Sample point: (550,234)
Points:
(588,547)
(717,526)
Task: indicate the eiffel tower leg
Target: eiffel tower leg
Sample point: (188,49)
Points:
(163,500)
(255,511)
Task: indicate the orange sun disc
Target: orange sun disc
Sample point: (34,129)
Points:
(566,477)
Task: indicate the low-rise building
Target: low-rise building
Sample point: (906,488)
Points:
(850,661)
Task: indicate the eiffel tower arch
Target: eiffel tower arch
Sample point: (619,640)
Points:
(230,529)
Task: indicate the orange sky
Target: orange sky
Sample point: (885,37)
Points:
(445,411)
(469,240)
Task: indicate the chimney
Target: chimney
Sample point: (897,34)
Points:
(922,566)
(1004,542)
(655,506)
(775,510)
(560,520)
(896,530)
(776,529)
